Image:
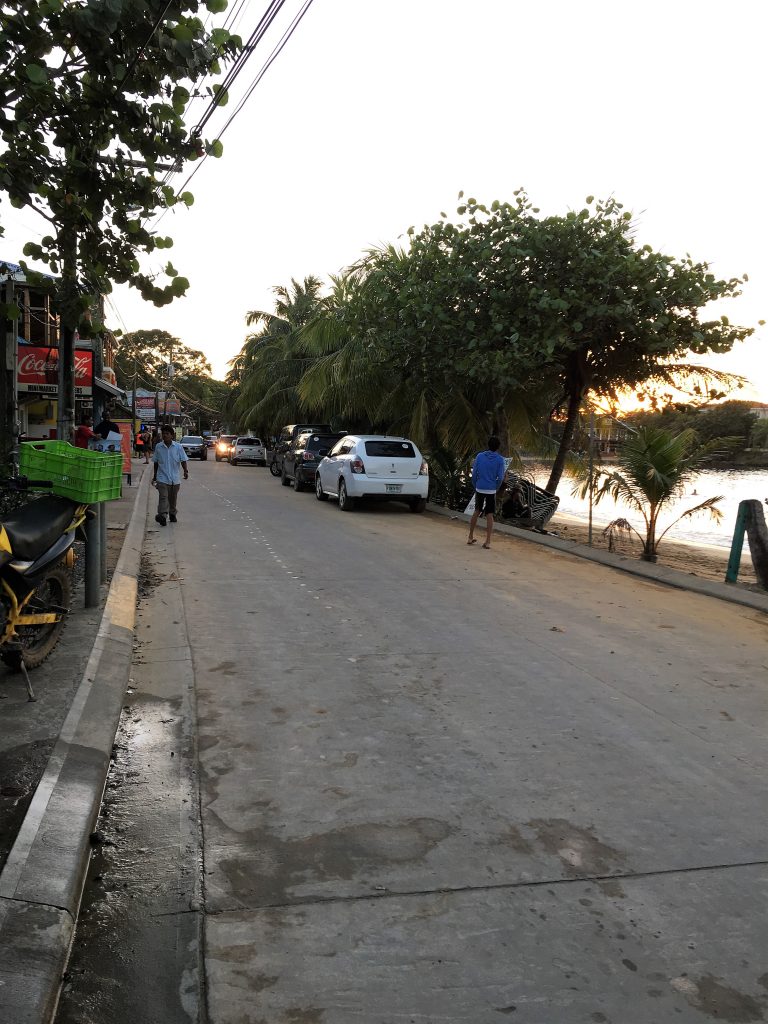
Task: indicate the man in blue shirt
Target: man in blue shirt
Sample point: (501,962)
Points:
(170,461)
(487,477)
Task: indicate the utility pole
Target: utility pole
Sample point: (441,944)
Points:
(591,472)
(9,427)
(67,297)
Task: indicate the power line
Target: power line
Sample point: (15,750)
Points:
(265,67)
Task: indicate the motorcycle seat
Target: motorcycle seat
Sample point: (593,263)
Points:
(37,526)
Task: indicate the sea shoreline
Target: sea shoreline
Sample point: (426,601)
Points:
(706,560)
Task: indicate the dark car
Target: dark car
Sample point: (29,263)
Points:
(286,438)
(195,447)
(302,458)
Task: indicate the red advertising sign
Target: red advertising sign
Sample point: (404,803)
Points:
(38,370)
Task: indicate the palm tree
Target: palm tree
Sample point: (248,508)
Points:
(269,366)
(654,467)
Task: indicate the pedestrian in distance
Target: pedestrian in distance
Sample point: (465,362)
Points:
(170,461)
(84,432)
(487,477)
(106,426)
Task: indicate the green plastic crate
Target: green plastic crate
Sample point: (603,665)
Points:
(75,473)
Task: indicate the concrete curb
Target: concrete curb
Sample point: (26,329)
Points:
(42,882)
(655,573)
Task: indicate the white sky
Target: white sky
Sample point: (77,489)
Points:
(379,111)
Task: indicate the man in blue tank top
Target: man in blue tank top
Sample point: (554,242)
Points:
(487,478)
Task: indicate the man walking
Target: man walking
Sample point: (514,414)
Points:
(487,478)
(170,461)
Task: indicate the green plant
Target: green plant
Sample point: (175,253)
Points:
(653,468)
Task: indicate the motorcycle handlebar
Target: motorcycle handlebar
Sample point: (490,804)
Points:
(23,483)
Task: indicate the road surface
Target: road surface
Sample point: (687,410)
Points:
(436,783)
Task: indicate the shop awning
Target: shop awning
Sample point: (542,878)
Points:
(109,389)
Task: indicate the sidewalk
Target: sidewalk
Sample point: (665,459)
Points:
(58,749)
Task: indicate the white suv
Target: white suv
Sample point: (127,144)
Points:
(248,449)
(373,466)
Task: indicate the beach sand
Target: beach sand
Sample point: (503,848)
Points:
(707,561)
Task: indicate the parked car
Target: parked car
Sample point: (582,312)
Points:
(302,458)
(285,439)
(224,446)
(195,447)
(373,466)
(210,442)
(248,449)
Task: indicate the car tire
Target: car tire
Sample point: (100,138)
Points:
(417,504)
(319,492)
(297,483)
(274,469)
(218,459)
(346,504)
(233,462)
(284,480)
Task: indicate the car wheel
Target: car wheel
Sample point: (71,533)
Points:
(217,458)
(346,504)
(274,469)
(417,504)
(297,483)
(233,462)
(319,492)
(284,480)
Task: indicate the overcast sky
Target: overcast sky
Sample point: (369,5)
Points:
(379,111)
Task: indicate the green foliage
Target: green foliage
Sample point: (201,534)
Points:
(148,353)
(508,299)
(727,419)
(92,99)
(653,467)
(760,434)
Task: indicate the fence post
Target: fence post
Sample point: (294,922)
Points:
(737,544)
(103,541)
(93,559)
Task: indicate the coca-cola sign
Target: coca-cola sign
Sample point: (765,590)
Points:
(38,370)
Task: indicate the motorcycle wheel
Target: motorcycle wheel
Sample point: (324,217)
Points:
(37,642)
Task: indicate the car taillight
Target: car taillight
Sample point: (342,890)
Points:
(356,466)
(424,471)
(308,457)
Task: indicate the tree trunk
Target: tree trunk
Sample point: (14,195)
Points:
(68,312)
(574,404)
(757,535)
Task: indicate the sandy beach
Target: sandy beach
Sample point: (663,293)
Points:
(707,561)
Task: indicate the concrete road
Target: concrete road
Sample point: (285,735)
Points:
(446,784)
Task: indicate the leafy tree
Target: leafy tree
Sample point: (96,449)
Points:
(269,366)
(653,467)
(92,101)
(511,300)
(760,434)
(727,419)
(149,353)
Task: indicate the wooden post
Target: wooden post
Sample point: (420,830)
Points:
(737,544)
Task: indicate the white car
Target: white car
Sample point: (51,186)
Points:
(373,466)
(248,449)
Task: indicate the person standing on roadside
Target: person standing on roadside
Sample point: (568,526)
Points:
(170,461)
(487,477)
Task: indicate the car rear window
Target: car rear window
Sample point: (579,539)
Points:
(191,440)
(390,449)
(314,442)
(245,441)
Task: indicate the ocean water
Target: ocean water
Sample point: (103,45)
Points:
(734,485)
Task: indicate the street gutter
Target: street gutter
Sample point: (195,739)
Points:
(42,881)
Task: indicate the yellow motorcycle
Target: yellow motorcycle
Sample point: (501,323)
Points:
(36,560)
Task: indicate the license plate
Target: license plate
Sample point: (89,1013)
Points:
(394,488)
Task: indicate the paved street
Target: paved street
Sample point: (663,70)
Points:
(439,783)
